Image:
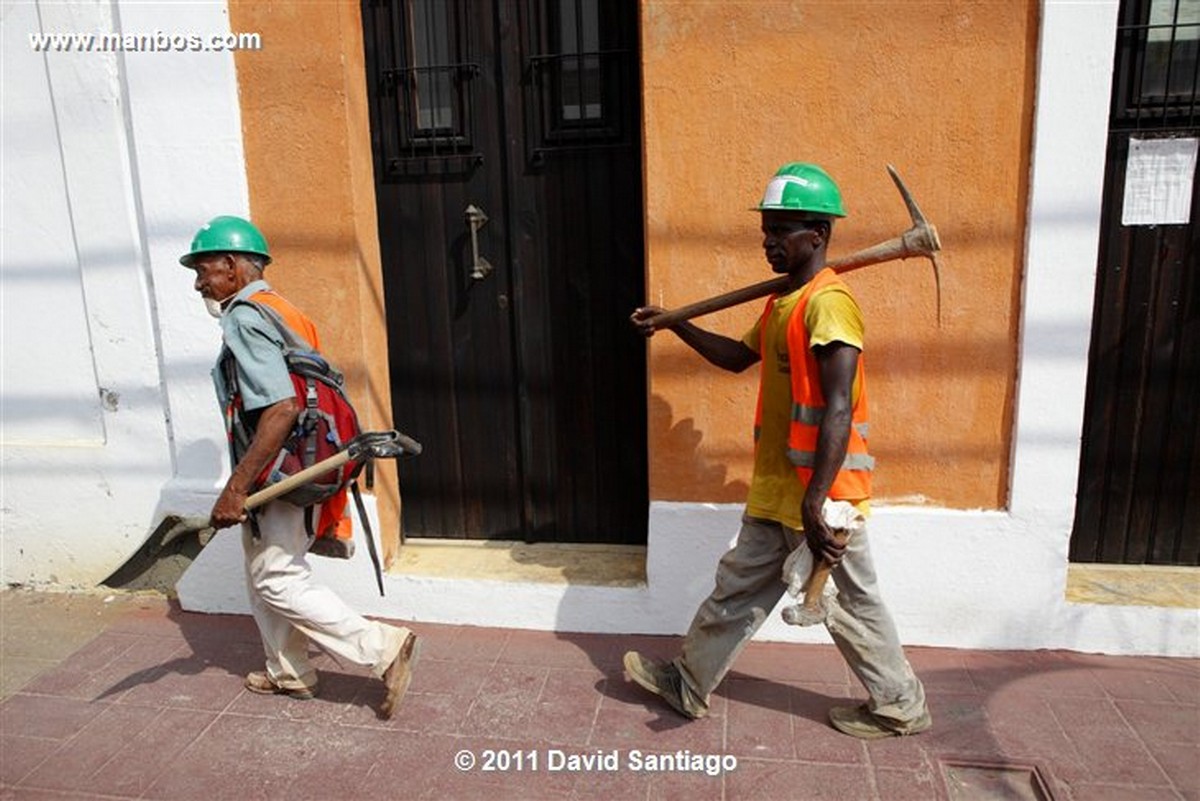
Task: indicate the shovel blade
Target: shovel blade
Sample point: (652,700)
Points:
(183,526)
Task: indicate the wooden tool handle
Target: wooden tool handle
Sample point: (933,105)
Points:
(303,477)
(820,576)
(920,240)
(710,305)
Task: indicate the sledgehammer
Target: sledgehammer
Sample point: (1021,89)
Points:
(844,520)
(812,609)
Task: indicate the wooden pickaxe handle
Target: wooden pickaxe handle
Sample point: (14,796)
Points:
(369,445)
(288,484)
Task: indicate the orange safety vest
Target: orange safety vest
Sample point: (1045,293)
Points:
(853,480)
(296,320)
(333,520)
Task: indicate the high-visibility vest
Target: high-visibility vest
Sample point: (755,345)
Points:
(296,320)
(853,480)
(333,520)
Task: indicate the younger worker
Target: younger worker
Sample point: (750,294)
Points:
(810,432)
(228,256)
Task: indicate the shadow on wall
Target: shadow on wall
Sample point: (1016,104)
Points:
(680,448)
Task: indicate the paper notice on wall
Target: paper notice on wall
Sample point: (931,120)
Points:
(1158,182)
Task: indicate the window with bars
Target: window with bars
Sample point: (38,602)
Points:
(580,76)
(430,79)
(426,71)
(577,72)
(579,97)
(1158,65)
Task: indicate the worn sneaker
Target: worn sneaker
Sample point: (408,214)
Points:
(858,721)
(662,680)
(399,674)
(260,682)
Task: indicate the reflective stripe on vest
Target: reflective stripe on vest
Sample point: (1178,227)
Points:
(813,415)
(854,461)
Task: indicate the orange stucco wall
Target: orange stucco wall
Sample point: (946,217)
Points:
(942,90)
(307,142)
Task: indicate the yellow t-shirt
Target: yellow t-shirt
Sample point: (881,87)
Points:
(832,315)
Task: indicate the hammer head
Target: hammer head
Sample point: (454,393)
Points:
(804,615)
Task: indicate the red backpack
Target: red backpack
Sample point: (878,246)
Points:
(326,423)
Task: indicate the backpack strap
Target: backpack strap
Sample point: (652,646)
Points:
(291,338)
(255,531)
(236,434)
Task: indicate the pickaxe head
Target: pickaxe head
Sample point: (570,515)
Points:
(382,445)
(924,230)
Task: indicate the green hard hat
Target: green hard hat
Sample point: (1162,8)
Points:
(227,235)
(797,186)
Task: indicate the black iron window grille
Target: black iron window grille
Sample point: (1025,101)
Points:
(1158,66)
(426,91)
(578,84)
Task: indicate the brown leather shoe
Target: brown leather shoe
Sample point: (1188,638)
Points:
(259,682)
(399,674)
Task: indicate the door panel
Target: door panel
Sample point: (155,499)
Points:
(527,386)
(1139,484)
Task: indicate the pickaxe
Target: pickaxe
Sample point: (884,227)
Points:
(920,240)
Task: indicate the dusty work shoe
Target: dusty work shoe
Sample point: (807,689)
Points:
(260,682)
(858,721)
(399,674)
(662,680)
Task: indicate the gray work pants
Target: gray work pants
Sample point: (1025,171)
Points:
(749,585)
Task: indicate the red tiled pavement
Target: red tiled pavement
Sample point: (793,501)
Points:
(153,708)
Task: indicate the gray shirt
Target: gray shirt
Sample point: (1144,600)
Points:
(257,351)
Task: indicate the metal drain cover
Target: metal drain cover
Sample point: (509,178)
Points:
(992,781)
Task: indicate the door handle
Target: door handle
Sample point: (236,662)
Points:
(476,219)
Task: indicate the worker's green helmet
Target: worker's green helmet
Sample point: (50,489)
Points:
(227,235)
(802,187)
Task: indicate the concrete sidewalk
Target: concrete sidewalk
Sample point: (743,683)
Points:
(123,696)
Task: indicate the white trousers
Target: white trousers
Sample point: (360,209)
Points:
(290,608)
(748,586)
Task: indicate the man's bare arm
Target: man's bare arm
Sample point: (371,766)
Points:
(837,364)
(719,350)
(274,425)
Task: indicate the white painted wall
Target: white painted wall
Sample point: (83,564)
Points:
(110,161)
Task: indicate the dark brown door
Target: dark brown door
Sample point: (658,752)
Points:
(508,181)
(1139,485)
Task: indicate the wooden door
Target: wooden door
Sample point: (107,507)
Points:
(1139,485)
(506,136)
